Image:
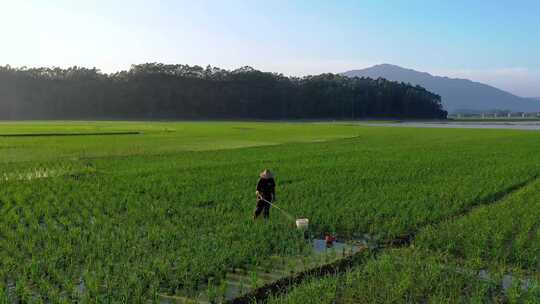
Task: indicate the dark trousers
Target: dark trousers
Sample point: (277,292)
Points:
(262,207)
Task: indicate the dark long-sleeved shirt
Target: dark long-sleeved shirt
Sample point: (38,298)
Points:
(267,188)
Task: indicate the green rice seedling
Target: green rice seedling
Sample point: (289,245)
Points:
(291,266)
(222,290)
(212,291)
(254,279)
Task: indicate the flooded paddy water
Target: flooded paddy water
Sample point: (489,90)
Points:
(240,285)
(510,125)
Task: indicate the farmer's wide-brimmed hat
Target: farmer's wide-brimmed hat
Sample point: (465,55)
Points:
(266,174)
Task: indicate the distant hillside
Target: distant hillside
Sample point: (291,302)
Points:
(457,94)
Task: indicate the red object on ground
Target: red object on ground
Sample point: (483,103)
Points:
(329,239)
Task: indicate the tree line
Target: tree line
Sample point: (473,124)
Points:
(162,91)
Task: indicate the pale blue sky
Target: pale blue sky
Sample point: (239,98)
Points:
(497,42)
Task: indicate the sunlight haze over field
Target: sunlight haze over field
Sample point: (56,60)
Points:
(478,39)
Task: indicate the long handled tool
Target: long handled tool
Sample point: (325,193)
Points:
(301,223)
(273,205)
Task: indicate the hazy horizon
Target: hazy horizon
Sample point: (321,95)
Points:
(483,41)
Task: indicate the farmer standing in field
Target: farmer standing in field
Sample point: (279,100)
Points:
(266,193)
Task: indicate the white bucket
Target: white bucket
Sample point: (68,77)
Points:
(302,224)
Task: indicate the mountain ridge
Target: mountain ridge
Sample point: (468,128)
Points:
(457,94)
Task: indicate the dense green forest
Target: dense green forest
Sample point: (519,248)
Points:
(160,91)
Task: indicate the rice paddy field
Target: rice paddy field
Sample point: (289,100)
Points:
(126,212)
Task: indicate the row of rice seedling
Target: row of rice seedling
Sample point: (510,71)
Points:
(506,235)
(36,171)
(145,225)
(408,276)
